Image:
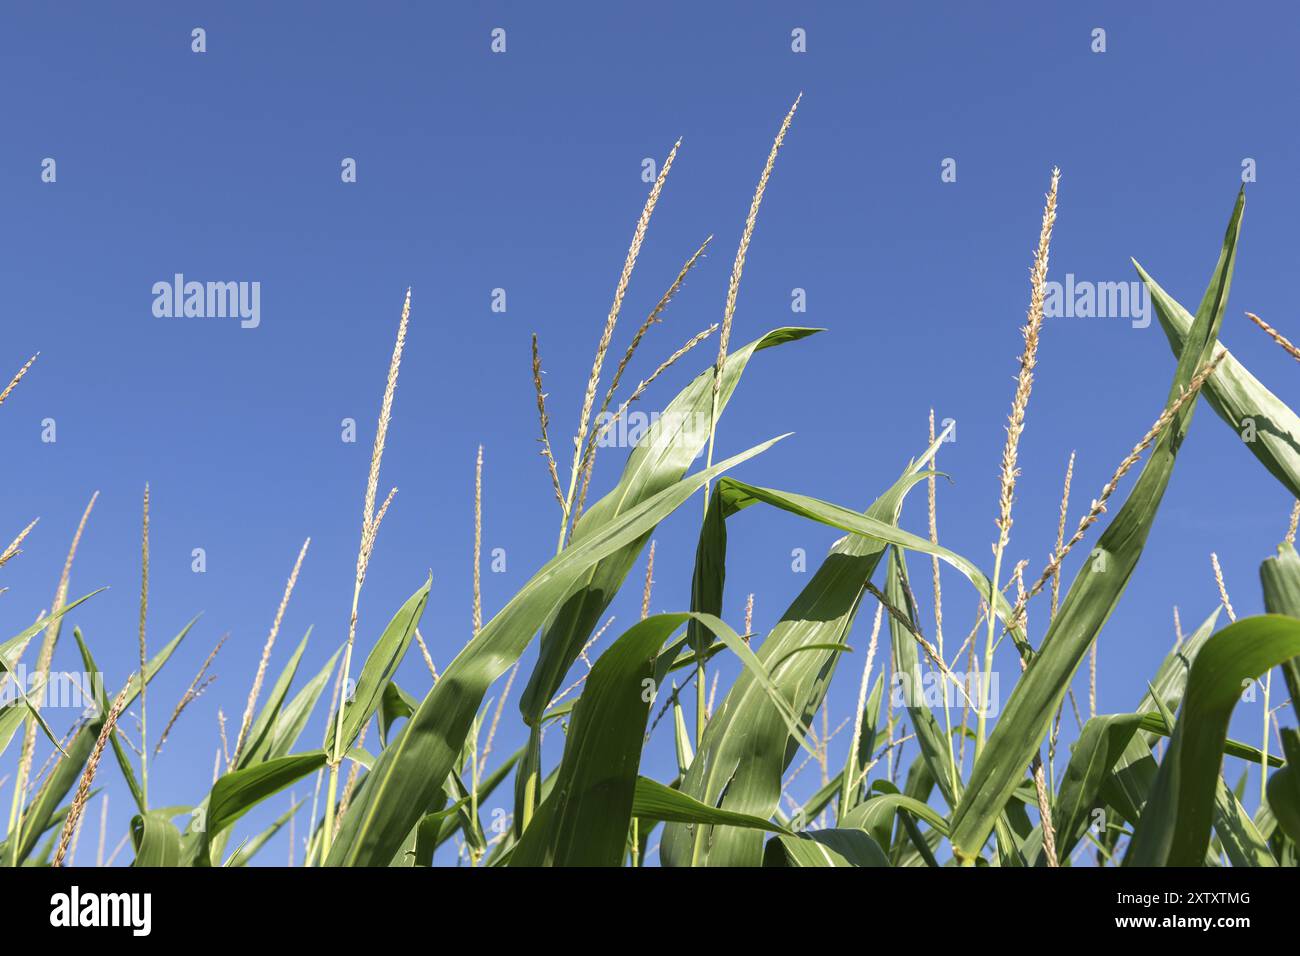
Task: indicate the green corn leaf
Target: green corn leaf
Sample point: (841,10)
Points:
(1125,789)
(428,833)
(919,785)
(861,747)
(1162,726)
(1240,839)
(880,531)
(682,739)
(157,841)
(67,771)
(747,743)
(260,739)
(1235,834)
(1284,787)
(585,820)
(396,705)
(876,815)
(835,847)
(249,849)
(11,718)
(101,701)
(293,716)
(463,800)
(237,792)
(935,746)
(381,664)
(1174,829)
(655,802)
(450,820)
(1101,743)
(657,462)
(1269,429)
(1093,594)
(710,573)
(414,766)
(1280,577)
(20,641)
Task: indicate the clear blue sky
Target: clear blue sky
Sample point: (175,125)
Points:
(523,171)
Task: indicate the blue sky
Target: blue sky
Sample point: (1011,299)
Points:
(522,171)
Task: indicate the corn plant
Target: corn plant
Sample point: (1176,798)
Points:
(1140,788)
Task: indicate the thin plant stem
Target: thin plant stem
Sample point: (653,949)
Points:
(602,347)
(1275,335)
(724,340)
(13,382)
(144,682)
(45,658)
(1010,451)
(247,722)
(369,529)
(478,542)
(938,612)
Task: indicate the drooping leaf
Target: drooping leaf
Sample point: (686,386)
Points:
(396,705)
(237,792)
(654,802)
(157,841)
(876,815)
(1174,829)
(833,847)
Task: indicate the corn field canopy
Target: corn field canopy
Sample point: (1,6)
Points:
(934,767)
(545,642)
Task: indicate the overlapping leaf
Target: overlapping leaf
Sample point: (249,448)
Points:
(410,772)
(1096,590)
(1174,829)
